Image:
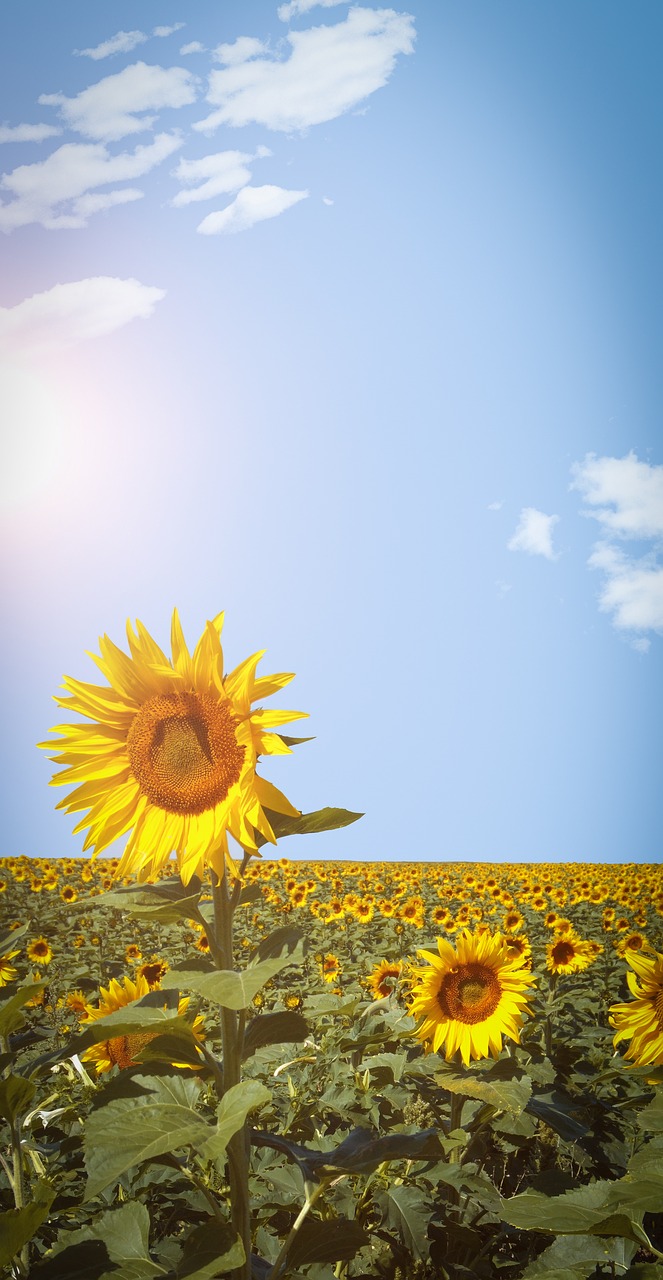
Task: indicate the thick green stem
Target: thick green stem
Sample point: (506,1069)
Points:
(17,1180)
(277,1269)
(238,1162)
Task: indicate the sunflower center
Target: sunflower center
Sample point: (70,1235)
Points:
(123,1050)
(563,952)
(469,993)
(184,751)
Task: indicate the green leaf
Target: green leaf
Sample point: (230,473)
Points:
(166,901)
(600,1208)
(286,1027)
(123,1133)
(9,937)
(88,1260)
(337,1239)
(231,1114)
(651,1117)
(308,823)
(11,1016)
(227,988)
(505,1095)
(136,1019)
(17,1226)
(125,1232)
(553,1109)
(577,1256)
(407,1211)
(283,940)
(210,1249)
(16,1094)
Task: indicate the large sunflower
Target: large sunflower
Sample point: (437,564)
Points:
(469,996)
(171,753)
(641,1019)
(122,1051)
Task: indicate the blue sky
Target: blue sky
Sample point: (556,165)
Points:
(347,320)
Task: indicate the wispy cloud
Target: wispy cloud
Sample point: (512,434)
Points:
(214,175)
(295,7)
(113,107)
(253,204)
(72,313)
(194,46)
(28,132)
(330,70)
(124,42)
(49,192)
(534,533)
(625,496)
(495,506)
(241,50)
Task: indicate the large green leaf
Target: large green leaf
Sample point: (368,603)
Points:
(600,1208)
(505,1095)
(125,1232)
(282,941)
(651,1116)
(16,1094)
(17,1226)
(284,1027)
(227,988)
(308,823)
(208,1251)
(124,1132)
(11,1008)
(88,1260)
(166,901)
(578,1255)
(231,1114)
(406,1210)
(335,1240)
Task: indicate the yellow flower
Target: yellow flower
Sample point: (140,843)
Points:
(382,981)
(470,996)
(171,753)
(39,951)
(641,1019)
(330,967)
(68,894)
(7,970)
(133,953)
(567,953)
(152,971)
(122,1051)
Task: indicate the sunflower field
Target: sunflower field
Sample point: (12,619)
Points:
(448,1070)
(266,1069)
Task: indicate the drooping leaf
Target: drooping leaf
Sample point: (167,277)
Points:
(209,1250)
(87,1260)
(17,1226)
(122,1134)
(335,1240)
(360,1152)
(505,1095)
(166,901)
(231,1114)
(11,1008)
(282,941)
(16,1094)
(554,1109)
(285,1027)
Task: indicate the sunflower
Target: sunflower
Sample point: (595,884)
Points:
(133,953)
(7,970)
(641,1019)
(122,1051)
(152,971)
(68,894)
(330,967)
(382,981)
(469,996)
(567,953)
(171,753)
(633,942)
(293,1000)
(39,951)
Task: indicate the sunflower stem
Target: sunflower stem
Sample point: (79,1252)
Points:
(17,1178)
(277,1269)
(238,1163)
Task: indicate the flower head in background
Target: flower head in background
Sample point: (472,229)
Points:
(641,1020)
(169,753)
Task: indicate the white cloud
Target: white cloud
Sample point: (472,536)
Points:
(168,31)
(27,132)
(122,42)
(194,46)
(329,71)
(109,109)
(71,313)
(241,50)
(214,175)
(295,7)
(534,533)
(253,204)
(625,496)
(326,200)
(495,506)
(43,192)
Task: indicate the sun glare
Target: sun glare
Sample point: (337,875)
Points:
(34,425)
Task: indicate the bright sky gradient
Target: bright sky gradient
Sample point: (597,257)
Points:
(347,320)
